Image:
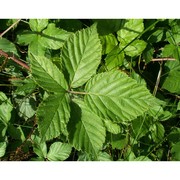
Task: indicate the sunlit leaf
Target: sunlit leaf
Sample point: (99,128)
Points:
(81,55)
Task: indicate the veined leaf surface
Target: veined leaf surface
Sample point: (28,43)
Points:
(53,115)
(81,55)
(47,75)
(87,132)
(115,96)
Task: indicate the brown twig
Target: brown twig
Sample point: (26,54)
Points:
(163,59)
(10,27)
(18,61)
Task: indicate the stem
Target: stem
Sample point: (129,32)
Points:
(24,65)
(10,27)
(158,79)
(77,92)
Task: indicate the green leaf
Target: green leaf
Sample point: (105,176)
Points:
(8,46)
(16,132)
(59,151)
(26,87)
(26,37)
(172,81)
(178,107)
(176,152)
(34,49)
(27,107)
(39,147)
(118,141)
(3,146)
(156,36)
(53,115)
(142,158)
(108,43)
(38,24)
(174,135)
(112,127)
(114,96)
(107,26)
(87,132)
(47,75)
(103,156)
(157,131)
(81,55)
(53,38)
(132,29)
(114,59)
(135,48)
(5,108)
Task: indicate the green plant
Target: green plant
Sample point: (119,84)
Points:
(90,90)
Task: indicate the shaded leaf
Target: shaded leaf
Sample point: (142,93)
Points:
(172,81)
(53,115)
(108,43)
(176,152)
(87,132)
(3,146)
(8,46)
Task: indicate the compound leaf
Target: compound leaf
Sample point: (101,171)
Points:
(115,96)
(47,75)
(81,55)
(53,115)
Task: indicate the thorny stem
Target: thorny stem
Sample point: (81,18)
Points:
(10,27)
(2,53)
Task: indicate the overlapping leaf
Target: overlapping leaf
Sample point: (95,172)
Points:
(87,132)
(81,55)
(114,96)
(47,75)
(53,115)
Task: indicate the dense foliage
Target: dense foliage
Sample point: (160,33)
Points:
(90,90)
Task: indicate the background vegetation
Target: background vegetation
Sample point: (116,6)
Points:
(85,90)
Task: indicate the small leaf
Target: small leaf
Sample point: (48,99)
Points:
(53,115)
(81,55)
(59,151)
(38,24)
(172,81)
(131,29)
(107,26)
(114,96)
(27,107)
(157,131)
(103,156)
(5,108)
(87,132)
(135,48)
(108,43)
(47,75)
(118,141)
(8,46)
(176,152)
(53,38)
(3,146)
(26,37)
(39,147)
(112,127)
(114,59)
